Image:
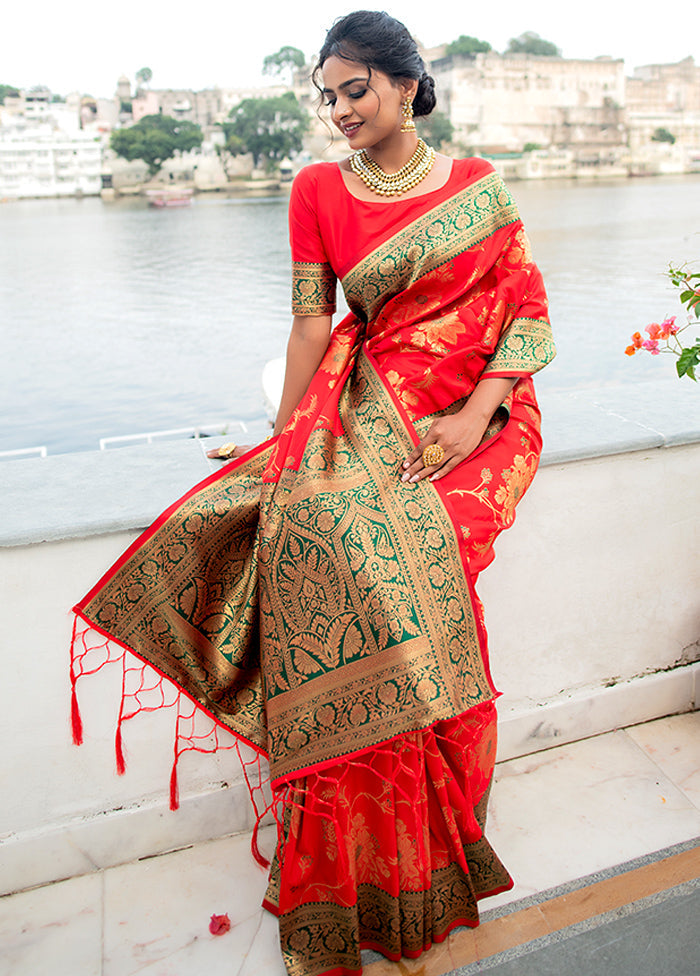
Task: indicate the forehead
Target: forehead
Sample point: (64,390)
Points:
(337,72)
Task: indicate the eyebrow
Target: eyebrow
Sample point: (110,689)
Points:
(350,82)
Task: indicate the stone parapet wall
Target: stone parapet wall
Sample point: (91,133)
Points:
(592,605)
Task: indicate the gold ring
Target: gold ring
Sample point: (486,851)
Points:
(432,455)
(226,450)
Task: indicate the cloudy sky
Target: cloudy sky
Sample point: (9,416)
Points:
(83,46)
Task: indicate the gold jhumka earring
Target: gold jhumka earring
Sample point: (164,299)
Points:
(408,125)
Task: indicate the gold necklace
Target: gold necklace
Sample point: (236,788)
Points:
(391,184)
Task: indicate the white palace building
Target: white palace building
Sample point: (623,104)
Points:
(43,151)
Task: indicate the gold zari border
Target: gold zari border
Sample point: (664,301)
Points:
(343,582)
(525,347)
(313,288)
(319,936)
(428,242)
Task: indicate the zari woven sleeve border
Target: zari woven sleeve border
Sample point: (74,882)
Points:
(526,344)
(313,279)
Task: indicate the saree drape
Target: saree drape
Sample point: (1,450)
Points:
(324,611)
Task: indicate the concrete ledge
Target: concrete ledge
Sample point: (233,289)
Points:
(598,422)
(582,714)
(67,496)
(89,844)
(592,607)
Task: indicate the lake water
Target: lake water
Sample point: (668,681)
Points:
(116,318)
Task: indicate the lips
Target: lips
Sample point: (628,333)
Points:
(350,130)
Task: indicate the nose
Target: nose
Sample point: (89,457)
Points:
(341,108)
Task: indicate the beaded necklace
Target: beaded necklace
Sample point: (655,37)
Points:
(391,184)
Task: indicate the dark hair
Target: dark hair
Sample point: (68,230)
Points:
(378,41)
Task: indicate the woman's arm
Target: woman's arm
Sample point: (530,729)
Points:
(459,434)
(307,343)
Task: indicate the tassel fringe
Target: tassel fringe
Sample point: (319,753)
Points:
(145,690)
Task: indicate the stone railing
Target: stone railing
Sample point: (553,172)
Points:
(592,605)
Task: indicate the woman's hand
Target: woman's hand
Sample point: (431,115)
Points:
(229,452)
(458,435)
(455,435)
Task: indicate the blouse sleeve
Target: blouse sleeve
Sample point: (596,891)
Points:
(313,278)
(526,344)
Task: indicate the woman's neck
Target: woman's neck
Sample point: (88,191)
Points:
(392,154)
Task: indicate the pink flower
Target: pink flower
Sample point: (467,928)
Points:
(654,331)
(652,346)
(219,924)
(669,327)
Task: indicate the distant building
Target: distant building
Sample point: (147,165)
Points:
(43,152)
(204,108)
(665,96)
(45,162)
(509,102)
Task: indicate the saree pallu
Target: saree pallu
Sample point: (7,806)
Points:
(323,611)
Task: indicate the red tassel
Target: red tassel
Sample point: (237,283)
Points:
(121,765)
(75,719)
(174,792)
(256,852)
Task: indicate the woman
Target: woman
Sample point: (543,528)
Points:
(317,596)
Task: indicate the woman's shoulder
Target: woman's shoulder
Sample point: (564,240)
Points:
(472,168)
(315,175)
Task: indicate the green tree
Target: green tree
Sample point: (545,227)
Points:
(663,135)
(154,139)
(286,59)
(267,128)
(531,43)
(6,90)
(435,128)
(143,77)
(466,45)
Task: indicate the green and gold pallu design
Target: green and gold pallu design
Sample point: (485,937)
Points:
(317,616)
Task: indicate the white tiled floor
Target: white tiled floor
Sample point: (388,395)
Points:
(555,816)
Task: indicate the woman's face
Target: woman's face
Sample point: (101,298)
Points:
(365,116)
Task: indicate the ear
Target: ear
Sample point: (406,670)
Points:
(408,88)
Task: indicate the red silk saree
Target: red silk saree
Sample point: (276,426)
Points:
(322,610)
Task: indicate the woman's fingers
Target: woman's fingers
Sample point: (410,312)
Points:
(229,452)
(427,458)
(446,445)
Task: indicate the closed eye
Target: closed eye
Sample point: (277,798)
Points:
(355,95)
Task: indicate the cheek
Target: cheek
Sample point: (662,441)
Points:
(370,105)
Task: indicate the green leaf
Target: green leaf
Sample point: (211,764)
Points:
(687,361)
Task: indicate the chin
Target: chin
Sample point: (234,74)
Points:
(355,141)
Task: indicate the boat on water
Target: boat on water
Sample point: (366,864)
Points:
(176,197)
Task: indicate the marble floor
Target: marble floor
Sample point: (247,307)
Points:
(555,817)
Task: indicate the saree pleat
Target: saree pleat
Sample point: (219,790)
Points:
(324,612)
(387,851)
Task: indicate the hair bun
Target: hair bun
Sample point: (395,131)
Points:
(425,99)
